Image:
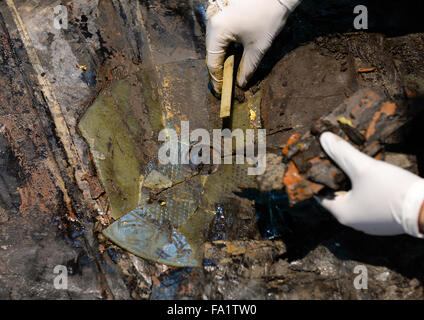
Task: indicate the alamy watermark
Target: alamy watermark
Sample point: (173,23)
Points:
(179,149)
(361,21)
(60,282)
(60,20)
(361,281)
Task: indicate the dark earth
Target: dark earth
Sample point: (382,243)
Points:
(53,206)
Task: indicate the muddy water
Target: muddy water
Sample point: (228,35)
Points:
(163,212)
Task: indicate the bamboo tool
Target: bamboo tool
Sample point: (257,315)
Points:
(227,87)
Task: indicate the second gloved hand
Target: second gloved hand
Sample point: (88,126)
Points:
(253,23)
(384,200)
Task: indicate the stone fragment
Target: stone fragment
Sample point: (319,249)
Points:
(272,179)
(156,180)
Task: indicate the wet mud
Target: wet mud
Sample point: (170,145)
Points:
(81,111)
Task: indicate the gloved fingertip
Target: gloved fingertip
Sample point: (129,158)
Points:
(337,204)
(329,205)
(250,61)
(243,73)
(241,81)
(327,139)
(351,160)
(216,86)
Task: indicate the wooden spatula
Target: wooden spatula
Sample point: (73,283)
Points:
(227,87)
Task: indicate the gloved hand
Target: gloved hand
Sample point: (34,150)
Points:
(384,200)
(253,23)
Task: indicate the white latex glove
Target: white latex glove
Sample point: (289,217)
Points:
(384,200)
(253,23)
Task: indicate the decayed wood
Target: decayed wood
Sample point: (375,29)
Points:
(366,120)
(227,87)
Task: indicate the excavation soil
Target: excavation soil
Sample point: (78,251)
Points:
(57,199)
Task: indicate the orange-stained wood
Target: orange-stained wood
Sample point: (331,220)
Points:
(365,70)
(297,187)
(293,138)
(388,108)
